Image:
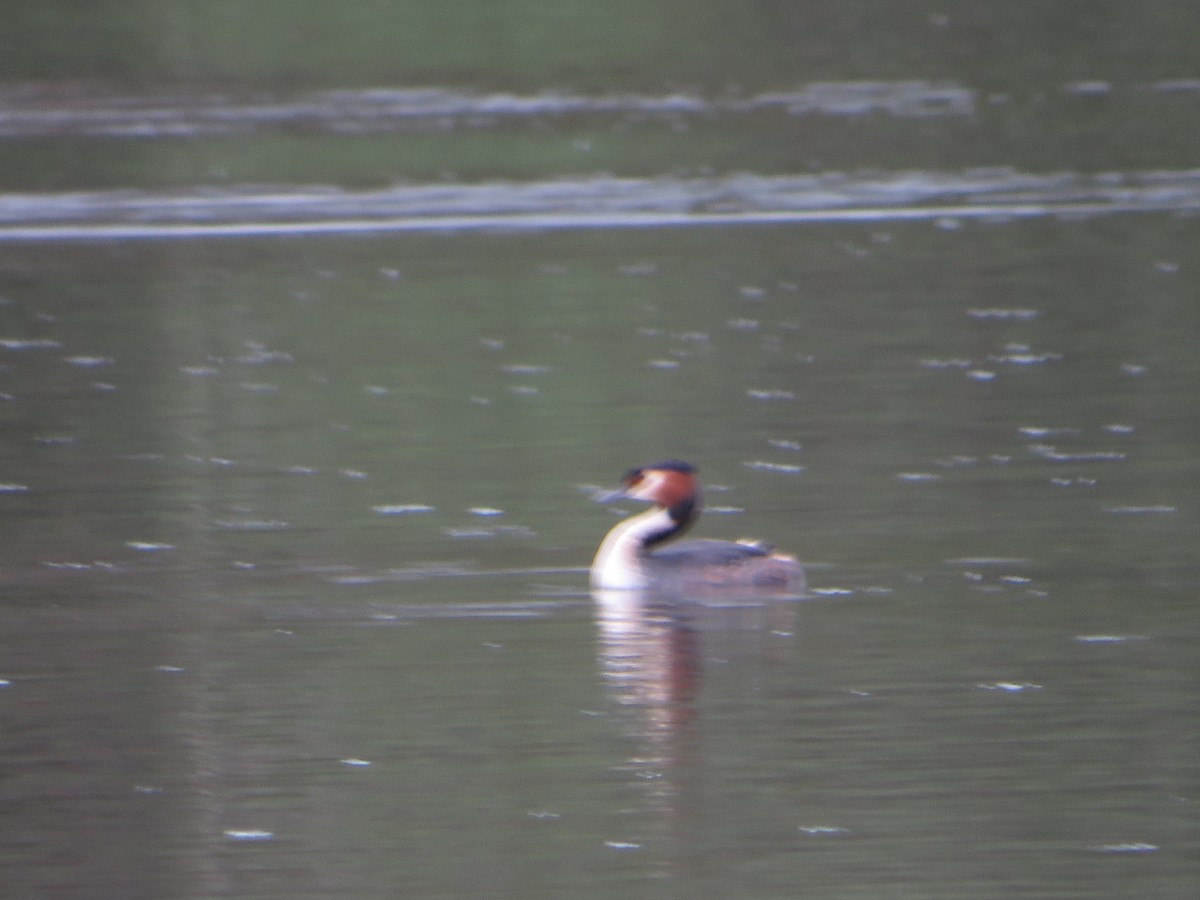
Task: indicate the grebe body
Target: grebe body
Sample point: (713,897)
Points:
(631,558)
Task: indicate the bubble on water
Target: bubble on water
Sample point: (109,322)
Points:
(742,324)
(525,369)
(1177,85)
(355,763)
(663,364)
(300,470)
(1107,638)
(825,830)
(768,395)
(258,355)
(72,566)
(485,511)
(783,444)
(981,375)
(1133,369)
(200,371)
(90,362)
(1011,687)
(353,474)
(952,363)
(148,546)
(1131,847)
(516,530)
(250,524)
(623,845)
(468,533)
(491,343)
(543,814)
(1045,431)
(19,344)
(1003,315)
(1140,510)
(12,488)
(249,834)
(918,477)
(219,461)
(258,387)
(765,466)
(402,509)
(1026,359)
(1053,454)
(957,461)
(1118,428)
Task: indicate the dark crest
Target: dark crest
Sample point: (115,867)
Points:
(666,465)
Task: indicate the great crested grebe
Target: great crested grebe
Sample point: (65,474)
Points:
(630,558)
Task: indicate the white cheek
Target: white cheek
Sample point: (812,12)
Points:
(648,487)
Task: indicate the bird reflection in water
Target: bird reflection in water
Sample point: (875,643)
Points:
(650,657)
(651,653)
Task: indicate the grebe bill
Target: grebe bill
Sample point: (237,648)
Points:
(629,557)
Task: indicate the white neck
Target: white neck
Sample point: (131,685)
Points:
(619,561)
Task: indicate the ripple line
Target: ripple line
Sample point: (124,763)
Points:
(596,203)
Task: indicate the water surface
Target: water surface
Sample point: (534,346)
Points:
(308,374)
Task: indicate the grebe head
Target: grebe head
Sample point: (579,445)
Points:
(671,484)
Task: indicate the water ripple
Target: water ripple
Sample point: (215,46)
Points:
(390,110)
(597,202)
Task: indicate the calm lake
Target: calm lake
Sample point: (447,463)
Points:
(314,352)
